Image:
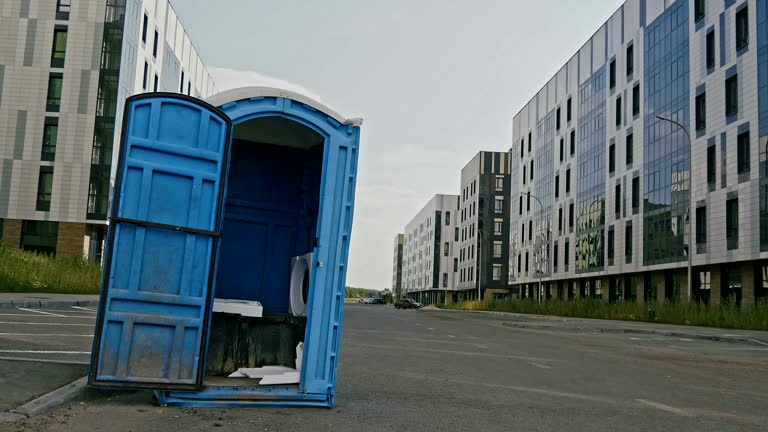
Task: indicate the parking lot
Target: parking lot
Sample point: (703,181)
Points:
(41,350)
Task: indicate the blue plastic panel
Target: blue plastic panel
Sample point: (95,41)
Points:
(161,249)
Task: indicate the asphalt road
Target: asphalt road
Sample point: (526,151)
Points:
(42,350)
(449,371)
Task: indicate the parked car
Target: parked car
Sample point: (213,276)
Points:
(408,304)
(372,301)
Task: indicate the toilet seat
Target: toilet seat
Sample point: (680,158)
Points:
(301,272)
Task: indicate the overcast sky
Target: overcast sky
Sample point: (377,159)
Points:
(435,81)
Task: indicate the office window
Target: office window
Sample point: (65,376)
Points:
(560,220)
(50,137)
(526,262)
(743,153)
(499,184)
(732,223)
(612,158)
(447,218)
(531,171)
(610,245)
(711,167)
(144,29)
(557,119)
(530,230)
(521,205)
(568,180)
(701,111)
(628,244)
(154,46)
(55,82)
(157,82)
(573,142)
(629,151)
(455,265)
(497,249)
(554,259)
(189,88)
(59,47)
(557,186)
(525,177)
(522,233)
(44,188)
(698,9)
(146,76)
(499,205)
(528,205)
(613,73)
(617,201)
(701,225)
(635,194)
(630,59)
(742,28)
(62,9)
(497,272)
(522,148)
(570,216)
(618,111)
(181,87)
(732,96)
(445,280)
(519,258)
(562,148)
(568,110)
(530,140)
(497,227)
(456,234)
(711,49)
(566,253)
(636,100)
(446,248)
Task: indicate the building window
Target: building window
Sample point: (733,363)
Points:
(732,96)
(557,119)
(528,203)
(612,158)
(701,225)
(455,265)
(617,201)
(497,249)
(743,153)
(181,87)
(554,259)
(732,223)
(742,28)
(39,236)
(50,137)
(618,111)
(568,181)
(62,9)
(189,88)
(557,186)
(526,262)
(566,253)
(636,100)
(521,205)
(154,46)
(55,83)
(157,82)
(628,244)
(146,76)
(568,110)
(524,173)
(630,59)
(497,272)
(711,49)
(144,29)
(613,73)
(446,248)
(698,9)
(562,148)
(711,167)
(497,227)
(701,111)
(499,184)
(610,245)
(530,140)
(522,237)
(629,151)
(560,220)
(44,188)
(573,142)
(570,217)
(59,47)
(445,280)
(531,170)
(499,205)
(635,195)
(530,230)
(447,218)
(519,258)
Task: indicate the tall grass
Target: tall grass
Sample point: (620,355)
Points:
(746,317)
(28,272)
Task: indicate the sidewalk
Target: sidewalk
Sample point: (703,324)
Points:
(558,323)
(42,300)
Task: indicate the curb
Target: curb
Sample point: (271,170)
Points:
(12,304)
(68,393)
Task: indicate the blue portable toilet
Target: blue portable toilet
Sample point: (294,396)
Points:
(221,200)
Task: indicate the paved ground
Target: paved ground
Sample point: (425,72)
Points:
(451,371)
(42,350)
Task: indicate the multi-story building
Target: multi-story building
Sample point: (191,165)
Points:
(397,266)
(484,226)
(625,197)
(430,252)
(66,68)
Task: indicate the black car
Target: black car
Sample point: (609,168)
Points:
(376,301)
(408,304)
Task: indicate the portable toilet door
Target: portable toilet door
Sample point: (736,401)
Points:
(161,248)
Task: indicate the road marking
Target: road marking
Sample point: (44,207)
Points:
(25,359)
(43,334)
(539,365)
(686,340)
(466,353)
(50,316)
(84,308)
(41,312)
(452,336)
(42,352)
(663,407)
(678,347)
(45,324)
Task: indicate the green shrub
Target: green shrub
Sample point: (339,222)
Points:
(29,272)
(747,317)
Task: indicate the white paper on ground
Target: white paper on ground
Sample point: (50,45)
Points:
(260,372)
(284,378)
(238,307)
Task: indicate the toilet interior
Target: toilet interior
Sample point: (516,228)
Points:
(270,217)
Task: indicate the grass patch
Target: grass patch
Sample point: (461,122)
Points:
(28,272)
(693,314)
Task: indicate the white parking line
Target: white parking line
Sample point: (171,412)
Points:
(84,308)
(42,352)
(50,316)
(542,366)
(44,324)
(46,335)
(41,312)
(26,359)
(664,407)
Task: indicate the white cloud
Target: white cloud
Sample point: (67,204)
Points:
(227,79)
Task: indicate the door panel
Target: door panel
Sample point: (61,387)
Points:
(161,250)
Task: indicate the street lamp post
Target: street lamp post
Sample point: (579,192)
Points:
(540,272)
(690,201)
